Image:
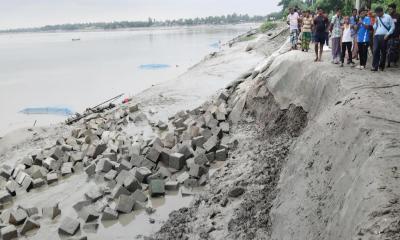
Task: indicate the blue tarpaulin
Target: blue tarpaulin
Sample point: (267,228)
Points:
(48,110)
(154,66)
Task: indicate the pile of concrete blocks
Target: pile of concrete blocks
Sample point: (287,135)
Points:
(19,221)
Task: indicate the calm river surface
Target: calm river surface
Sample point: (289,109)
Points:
(51,70)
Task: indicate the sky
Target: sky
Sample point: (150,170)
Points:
(34,13)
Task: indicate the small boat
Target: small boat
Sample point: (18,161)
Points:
(47,110)
(154,66)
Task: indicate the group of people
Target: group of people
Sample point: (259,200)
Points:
(354,35)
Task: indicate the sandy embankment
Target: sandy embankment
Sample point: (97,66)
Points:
(186,92)
(317,157)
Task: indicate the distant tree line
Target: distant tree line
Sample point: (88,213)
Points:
(212,20)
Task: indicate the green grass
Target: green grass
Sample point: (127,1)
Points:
(247,38)
(268,26)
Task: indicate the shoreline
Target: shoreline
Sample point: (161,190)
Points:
(157,103)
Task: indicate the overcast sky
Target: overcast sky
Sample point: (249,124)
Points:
(32,13)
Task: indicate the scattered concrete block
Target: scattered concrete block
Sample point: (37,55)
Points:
(191,183)
(9,232)
(220,155)
(211,156)
(156,187)
(186,192)
(125,165)
(90,227)
(37,172)
(200,159)
(99,149)
(186,149)
(211,144)
(164,155)
(20,177)
(69,226)
(142,173)
(52,178)
(38,183)
(91,169)
(183,177)
(225,127)
(27,184)
(109,214)
(81,204)
(213,123)
(139,196)
(134,108)
(27,161)
(131,183)
(119,190)
(6,171)
(52,211)
(206,133)
(110,175)
(197,171)
(223,96)
(203,180)
(236,192)
(29,225)
(217,132)
(88,215)
(104,165)
(66,168)
(11,187)
(50,163)
(199,141)
(169,140)
(18,216)
(121,176)
(57,153)
(172,185)
(154,154)
(31,211)
(177,161)
(190,162)
(94,194)
(125,204)
(140,161)
(162,126)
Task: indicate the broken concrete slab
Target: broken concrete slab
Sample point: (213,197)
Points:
(37,172)
(169,140)
(199,141)
(154,154)
(81,204)
(20,177)
(87,214)
(120,178)
(9,232)
(94,194)
(29,225)
(197,171)
(131,183)
(140,161)
(6,171)
(66,168)
(110,175)
(27,184)
(225,127)
(206,133)
(50,163)
(69,226)
(200,159)
(156,187)
(125,204)
(183,177)
(125,165)
(211,156)
(11,187)
(211,144)
(38,183)
(91,169)
(90,227)
(186,192)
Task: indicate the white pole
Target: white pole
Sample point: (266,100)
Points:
(358,4)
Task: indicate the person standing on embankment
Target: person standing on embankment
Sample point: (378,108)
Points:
(293,21)
(347,42)
(363,37)
(394,39)
(336,31)
(307,24)
(321,23)
(384,27)
(353,23)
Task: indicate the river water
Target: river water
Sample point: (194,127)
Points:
(51,70)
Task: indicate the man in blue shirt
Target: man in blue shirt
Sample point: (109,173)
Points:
(384,27)
(364,28)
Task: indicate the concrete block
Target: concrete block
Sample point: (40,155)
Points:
(69,226)
(156,187)
(110,175)
(87,214)
(109,214)
(81,204)
(27,161)
(94,194)
(172,185)
(220,155)
(38,183)
(211,144)
(225,127)
(18,216)
(211,156)
(119,190)
(183,177)
(52,211)
(212,123)
(51,178)
(154,154)
(27,184)
(125,204)
(104,165)
(217,132)
(191,183)
(197,171)
(186,150)
(57,153)
(31,211)
(223,96)
(120,178)
(29,225)
(177,161)
(91,169)
(189,162)
(66,168)
(50,163)
(139,196)
(206,133)
(125,165)
(140,161)
(200,159)
(169,140)
(199,141)
(164,155)
(142,173)
(6,171)
(9,232)
(20,177)
(11,187)
(186,192)
(37,172)
(131,183)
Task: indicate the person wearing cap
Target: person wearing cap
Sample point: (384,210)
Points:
(384,26)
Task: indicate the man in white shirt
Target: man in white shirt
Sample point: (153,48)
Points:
(293,21)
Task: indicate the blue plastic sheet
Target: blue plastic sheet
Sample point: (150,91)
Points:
(154,66)
(48,110)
